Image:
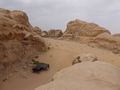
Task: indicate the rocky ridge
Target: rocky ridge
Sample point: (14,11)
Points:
(91,34)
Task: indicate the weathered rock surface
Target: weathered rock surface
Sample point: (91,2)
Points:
(91,34)
(18,41)
(37,30)
(82,28)
(116,35)
(44,34)
(55,33)
(85,76)
(84,58)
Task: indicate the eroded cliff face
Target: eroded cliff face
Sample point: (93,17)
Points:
(18,42)
(91,34)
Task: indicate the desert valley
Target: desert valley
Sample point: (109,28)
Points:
(93,50)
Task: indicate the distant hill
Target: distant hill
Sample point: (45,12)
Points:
(116,35)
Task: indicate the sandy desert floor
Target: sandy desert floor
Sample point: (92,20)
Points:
(59,56)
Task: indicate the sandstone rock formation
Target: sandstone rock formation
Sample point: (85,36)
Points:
(44,34)
(116,35)
(54,33)
(18,41)
(84,58)
(82,28)
(85,76)
(91,34)
(37,30)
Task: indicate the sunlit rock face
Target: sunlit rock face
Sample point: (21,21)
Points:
(82,28)
(92,35)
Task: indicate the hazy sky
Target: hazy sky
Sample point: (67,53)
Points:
(55,14)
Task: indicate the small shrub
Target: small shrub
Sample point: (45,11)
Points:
(50,55)
(36,56)
(49,44)
(48,47)
(35,62)
(115,52)
(92,46)
(88,45)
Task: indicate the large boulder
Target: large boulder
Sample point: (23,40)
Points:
(18,43)
(84,58)
(92,35)
(54,33)
(85,76)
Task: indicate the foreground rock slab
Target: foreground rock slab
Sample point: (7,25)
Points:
(86,76)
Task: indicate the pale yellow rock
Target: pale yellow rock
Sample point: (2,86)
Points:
(85,76)
(92,35)
(82,28)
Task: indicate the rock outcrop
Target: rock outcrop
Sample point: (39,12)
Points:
(18,41)
(44,34)
(91,34)
(37,30)
(82,28)
(55,33)
(85,76)
(116,35)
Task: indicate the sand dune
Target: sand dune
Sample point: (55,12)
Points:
(59,56)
